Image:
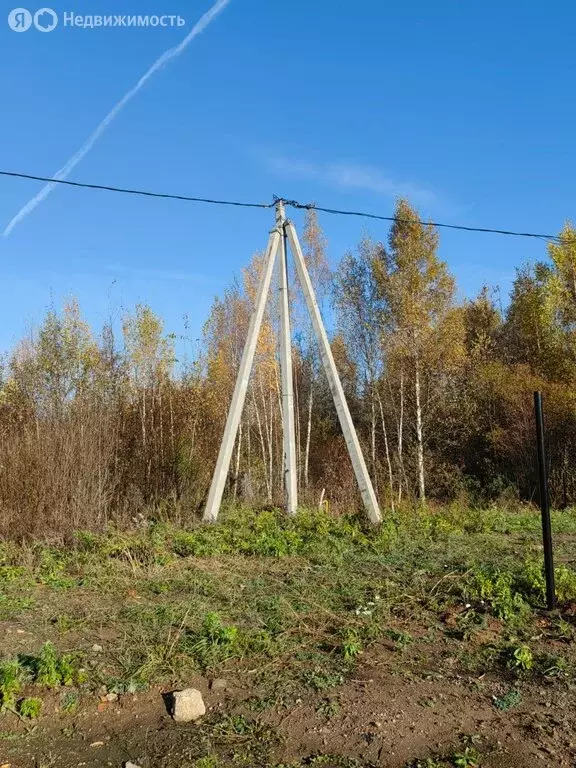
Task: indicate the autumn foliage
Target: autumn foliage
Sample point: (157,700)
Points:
(101,428)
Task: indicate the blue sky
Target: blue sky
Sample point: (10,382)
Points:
(467,108)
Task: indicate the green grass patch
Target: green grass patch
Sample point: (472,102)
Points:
(299,600)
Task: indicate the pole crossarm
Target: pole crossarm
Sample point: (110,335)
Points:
(284,231)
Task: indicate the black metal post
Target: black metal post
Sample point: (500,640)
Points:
(544,503)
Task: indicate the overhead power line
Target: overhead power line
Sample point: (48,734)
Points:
(292,203)
(126,191)
(310,206)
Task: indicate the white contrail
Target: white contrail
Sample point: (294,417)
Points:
(64,172)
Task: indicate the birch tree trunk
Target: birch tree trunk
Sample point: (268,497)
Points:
(237,464)
(262,445)
(249,461)
(298,425)
(160,416)
(373,437)
(419,438)
(267,444)
(401,437)
(387,450)
(308,433)
(271,448)
(373,430)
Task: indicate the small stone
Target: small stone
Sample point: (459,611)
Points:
(219,684)
(111,697)
(130,765)
(97,648)
(97,744)
(187,705)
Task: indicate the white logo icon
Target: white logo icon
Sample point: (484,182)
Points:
(45,20)
(19,20)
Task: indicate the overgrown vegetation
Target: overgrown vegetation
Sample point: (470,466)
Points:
(100,429)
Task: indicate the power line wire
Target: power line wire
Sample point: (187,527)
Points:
(107,188)
(312,206)
(292,203)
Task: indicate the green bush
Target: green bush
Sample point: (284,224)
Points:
(532,582)
(30,708)
(498,590)
(52,669)
(214,642)
(521,658)
(509,593)
(11,675)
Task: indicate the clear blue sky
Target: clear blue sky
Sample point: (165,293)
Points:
(467,107)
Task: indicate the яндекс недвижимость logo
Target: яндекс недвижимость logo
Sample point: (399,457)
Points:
(21,19)
(46,19)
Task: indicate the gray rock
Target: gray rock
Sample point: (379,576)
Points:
(219,684)
(130,765)
(187,705)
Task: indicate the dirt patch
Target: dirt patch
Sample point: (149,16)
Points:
(386,715)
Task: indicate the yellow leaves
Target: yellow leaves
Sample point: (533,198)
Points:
(314,242)
(150,353)
(447,349)
(482,321)
(563,255)
(418,289)
(344,364)
(60,360)
(9,390)
(538,325)
(225,334)
(265,368)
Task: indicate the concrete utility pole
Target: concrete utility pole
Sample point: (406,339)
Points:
(289,430)
(352,443)
(285,229)
(237,404)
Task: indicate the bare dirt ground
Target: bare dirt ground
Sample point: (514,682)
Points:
(383,720)
(396,710)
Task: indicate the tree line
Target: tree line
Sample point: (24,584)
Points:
(108,427)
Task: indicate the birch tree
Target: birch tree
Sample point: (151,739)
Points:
(150,359)
(361,312)
(314,250)
(563,256)
(424,327)
(534,332)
